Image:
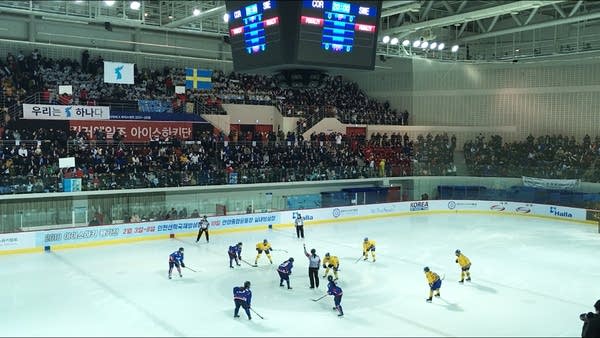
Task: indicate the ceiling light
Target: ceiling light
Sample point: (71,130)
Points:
(109,2)
(135,5)
(226,17)
(454,49)
(386,39)
(170,17)
(196,12)
(405,43)
(441,46)
(394,41)
(433,45)
(416,43)
(146,14)
(424,44)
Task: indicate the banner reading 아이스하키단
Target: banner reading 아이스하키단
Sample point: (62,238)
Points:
(136,131)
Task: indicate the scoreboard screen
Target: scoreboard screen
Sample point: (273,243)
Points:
(338,33)
(271,34)
(254,33)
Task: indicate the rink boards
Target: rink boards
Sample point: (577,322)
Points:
(39,241)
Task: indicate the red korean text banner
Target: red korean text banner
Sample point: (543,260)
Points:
(136,131)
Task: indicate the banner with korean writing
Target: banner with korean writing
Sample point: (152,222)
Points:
(136,131)
(57,112)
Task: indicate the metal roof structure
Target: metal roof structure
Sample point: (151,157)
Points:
(485,30)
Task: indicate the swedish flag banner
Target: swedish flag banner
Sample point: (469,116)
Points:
(198,78)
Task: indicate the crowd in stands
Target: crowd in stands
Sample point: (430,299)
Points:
(549,156)
(23,76)
(29,159)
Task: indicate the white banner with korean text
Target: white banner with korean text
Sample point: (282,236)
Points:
(546,183)
(56,112)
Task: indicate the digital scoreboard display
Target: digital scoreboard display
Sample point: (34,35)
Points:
(294,33)
(338,33)
(254,33)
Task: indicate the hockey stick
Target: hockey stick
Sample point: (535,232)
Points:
(256,313)
(191,269)
(361,257)
(279,250)
(253,265)
(318,299)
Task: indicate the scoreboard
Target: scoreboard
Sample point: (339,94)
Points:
(254,32)
(295,33)
(342,33)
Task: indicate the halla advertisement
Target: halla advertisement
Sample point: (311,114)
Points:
(137,131)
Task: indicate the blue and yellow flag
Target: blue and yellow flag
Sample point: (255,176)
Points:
(198,78)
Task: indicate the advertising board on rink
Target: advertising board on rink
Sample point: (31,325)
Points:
(81,235)
(15,241)
(57,112)
(136,131)
(108,232)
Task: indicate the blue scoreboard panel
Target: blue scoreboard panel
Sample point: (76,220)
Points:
(338,33)
(254,33)
(276,34)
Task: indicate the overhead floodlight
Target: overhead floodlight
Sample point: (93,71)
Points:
(424,44)
(454,49)
(386,39)
(78,1)
(196,12)
(433,45)
(405,43)
(135,5)
(394,41)
(109,2)
(441,46)
(226,17)
(416,43)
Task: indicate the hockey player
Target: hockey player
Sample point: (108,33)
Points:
(176,260)
(435,283)
(285,270)
(235,252)
(331,262)
(368,245)
(336,292)
(242,296)
(299,225)
(465,265)
(263,246)
(314,262)
(203,228)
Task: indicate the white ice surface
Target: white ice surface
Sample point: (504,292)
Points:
(531,277)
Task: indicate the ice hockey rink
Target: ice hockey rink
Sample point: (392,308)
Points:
(531,277)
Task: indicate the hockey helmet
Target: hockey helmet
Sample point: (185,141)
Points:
(313,251)
(181,249)
(291,259)
(366,239)
(426,269)
(330,278)
(247,284)
(239,244)
(457,252)
(327,254)
(265,241)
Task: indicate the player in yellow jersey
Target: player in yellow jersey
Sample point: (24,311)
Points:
(368,245)
(263,246)
(465,265)
(331,262)
(435,283)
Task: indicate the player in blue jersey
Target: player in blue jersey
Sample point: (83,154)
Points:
(242,296)
(336,292)
(235,252)
(285,270)
(176,260)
